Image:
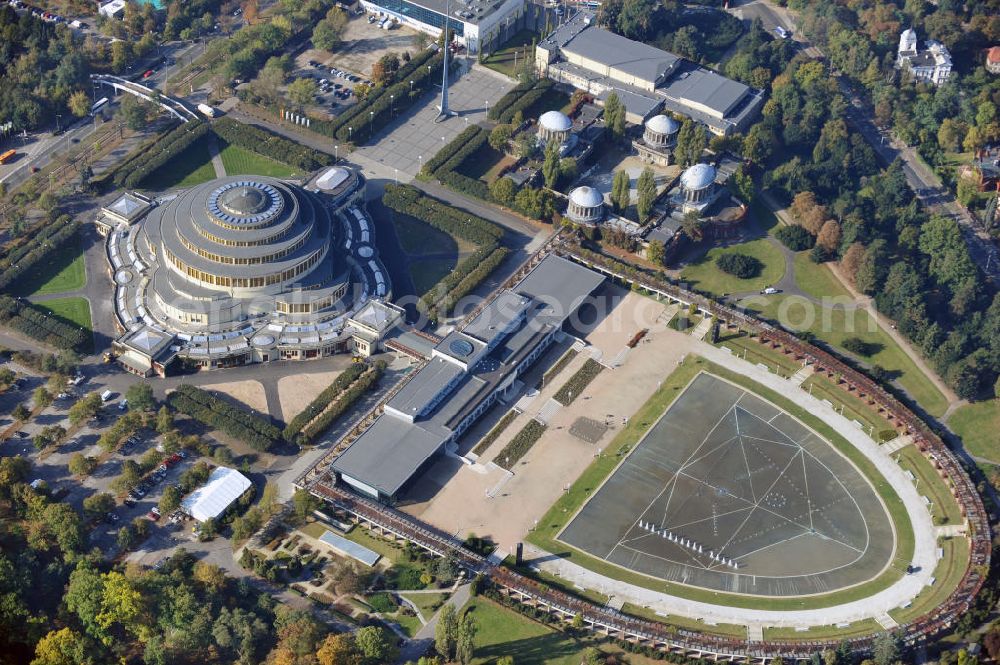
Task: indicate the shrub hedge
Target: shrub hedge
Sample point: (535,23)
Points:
(795,237)
(519,446)
(508,100)
(469,274)
(171,144)
(739,265)
(36,247)
(234,421)
(578,382)
(526,101)
(411,201)
(270,145)
(495,433)
(37,324)
(432,165)
(346,400)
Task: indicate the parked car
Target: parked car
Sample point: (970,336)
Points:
(153,516)
(182,454)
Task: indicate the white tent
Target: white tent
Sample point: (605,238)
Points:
(209,501)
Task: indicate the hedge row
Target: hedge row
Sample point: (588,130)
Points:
(507,100)
(470,281)
(432,165)
(526,101)
(519,446)
(376,111)
(234,421)
(578,382)
(39,246)
(40,325)
(347,398)
(411,201)
(465,185)
(172,144)
(315,407)
(466,150)
(495,433)
(270,145)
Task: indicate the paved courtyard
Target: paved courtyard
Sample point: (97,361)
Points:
(414,135)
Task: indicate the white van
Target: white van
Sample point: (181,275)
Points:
(106,395)
(781,32)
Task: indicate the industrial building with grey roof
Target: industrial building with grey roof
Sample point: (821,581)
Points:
(464,375)
(646,79)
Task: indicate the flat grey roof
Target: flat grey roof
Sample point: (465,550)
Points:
(560,284)
(635,103)
(388,453)
(705,87)
(480,9)
(460,346)
(496,316)
(429,381)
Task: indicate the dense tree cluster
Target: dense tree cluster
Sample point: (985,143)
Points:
(238,423)
(41,325)
(697,35)
(739,265)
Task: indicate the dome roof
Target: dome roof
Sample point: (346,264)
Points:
(245,201)
(586,197)
(662,124)
(555,121)
(698,176)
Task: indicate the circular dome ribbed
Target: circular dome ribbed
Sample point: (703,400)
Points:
(698,176)
(555,121)
(662,124)
(244,201)
(586,197)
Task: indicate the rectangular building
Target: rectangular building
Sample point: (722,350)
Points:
(467,372)
(478,24)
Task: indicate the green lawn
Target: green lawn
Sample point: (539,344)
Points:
(417,238)
(426,273)
(74,310)
(63,270)
(240,161)
(545,535)
(931,485)
(503,59)
(977,424)
(428,603)
(947,575)
(836,323)
(856,629)
(191,167)
(816,279)
(705,276)
(504,632)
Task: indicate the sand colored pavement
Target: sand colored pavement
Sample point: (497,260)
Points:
(295,392)
(489,502)
(249,393)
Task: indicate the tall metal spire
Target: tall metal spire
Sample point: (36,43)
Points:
(443,111)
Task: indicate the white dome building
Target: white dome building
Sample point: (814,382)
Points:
(586,205)
(554,126)
(698,187)
(659,137)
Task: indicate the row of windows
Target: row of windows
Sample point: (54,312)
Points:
(244,282)
(243,261)
(308,307)
(422,14)
(243,243)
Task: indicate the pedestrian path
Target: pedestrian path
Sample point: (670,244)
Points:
(898,443)
(755,632)
(800,377)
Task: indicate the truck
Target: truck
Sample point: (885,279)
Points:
(206,110)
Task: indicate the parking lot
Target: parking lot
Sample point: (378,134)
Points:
(362,44)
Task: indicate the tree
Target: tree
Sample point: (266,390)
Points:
(465,641)
(446,632)
(164,420)
(795,237)
(85,408)
(829,236)
(82,465)
(385,69)
(304,503)
(346,580)
(739,265)
(500,136)
(126,538)
(21,412)
(140,397)
(692,226)
(338,649)
(96,505)
(526,145)
(656,252)
(210,575)
(170,500)
(302,91)
(550,167)
(851,261)
(269,498)
(133,111)
(503,190)
(886,650)
(620,194)
(79,104)
(646,186)
(691,143)
(376,645)
(63,647)
(873,268)
(614,116)
(326,34)
(41,398)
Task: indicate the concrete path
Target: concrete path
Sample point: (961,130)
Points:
(904,590)
(424,638)
(213,150)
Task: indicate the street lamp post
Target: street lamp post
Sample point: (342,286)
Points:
(371,122)
(392,105)
(411,87)
(336,153)
(487,107)
(350,133)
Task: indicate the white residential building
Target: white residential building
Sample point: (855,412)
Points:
(931,64)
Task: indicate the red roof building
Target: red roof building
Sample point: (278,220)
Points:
(993,60)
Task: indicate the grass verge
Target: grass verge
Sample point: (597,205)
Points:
(977,424)
(72,310)
(504,632)
(192,167)
(707,277)
(240,161)
(930,484)
(61,271)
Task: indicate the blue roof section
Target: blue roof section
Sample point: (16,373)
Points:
(350,548)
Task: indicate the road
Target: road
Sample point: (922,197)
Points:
(922,180)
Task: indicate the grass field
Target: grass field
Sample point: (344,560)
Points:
(191,167)
(552,522)
(428,603)
(856,629)
(74,310)
(418,239)
(63,270)
(240,161)
(816,279)
(425,273)
(504,632)
(930,484)
(706,276)
(833,325)
(503,59)
(977,424)
(947,574)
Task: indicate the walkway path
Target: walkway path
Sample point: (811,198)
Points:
(902,591)
(417,646)
(213,150)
